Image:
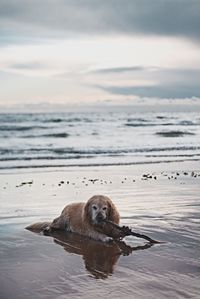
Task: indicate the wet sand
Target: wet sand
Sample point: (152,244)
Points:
(161,201)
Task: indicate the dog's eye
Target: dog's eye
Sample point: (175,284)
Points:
(104,208)
(94,207)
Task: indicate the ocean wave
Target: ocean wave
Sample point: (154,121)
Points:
(140,120)
(43,117)
(107,151)
(50,135)
(7,128)
(68,120)
(148,124)
(154,124)
(93,164)
(161,117)
(140,124)
(78,157)
(174,133)
(39,158)
(187,123)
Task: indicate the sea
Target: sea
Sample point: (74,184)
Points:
(55,140)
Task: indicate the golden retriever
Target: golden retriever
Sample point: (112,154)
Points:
(86,219)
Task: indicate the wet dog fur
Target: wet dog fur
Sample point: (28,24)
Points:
(86,219)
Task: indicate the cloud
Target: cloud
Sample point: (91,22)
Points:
(119,70)
(157,91)
(73,17)
(163,83)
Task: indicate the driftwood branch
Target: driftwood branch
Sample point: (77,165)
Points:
(123,231)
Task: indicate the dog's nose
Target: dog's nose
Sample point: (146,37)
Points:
(100,217)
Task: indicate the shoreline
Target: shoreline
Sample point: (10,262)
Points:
(168,164)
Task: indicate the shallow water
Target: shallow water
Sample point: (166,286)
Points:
(165,208)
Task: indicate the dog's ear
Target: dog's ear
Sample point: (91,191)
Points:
(113,214)
(87,211)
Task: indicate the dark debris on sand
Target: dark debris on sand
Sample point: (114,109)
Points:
(153,177)
(25,183)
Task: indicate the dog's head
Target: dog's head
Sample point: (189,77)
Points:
(99,208)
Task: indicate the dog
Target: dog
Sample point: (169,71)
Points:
(87,219)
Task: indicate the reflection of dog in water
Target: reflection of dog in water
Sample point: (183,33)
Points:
(99,258)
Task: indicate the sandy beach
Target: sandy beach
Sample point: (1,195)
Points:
(160,200)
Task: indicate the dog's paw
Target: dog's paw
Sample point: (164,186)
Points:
(47,230)
(108,240)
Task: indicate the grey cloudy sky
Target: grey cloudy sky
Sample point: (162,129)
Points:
(160,17)
(87,50)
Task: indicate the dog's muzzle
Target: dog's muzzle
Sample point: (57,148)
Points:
(100,218)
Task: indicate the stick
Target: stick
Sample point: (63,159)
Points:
(126,231)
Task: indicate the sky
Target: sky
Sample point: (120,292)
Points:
(91,51)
